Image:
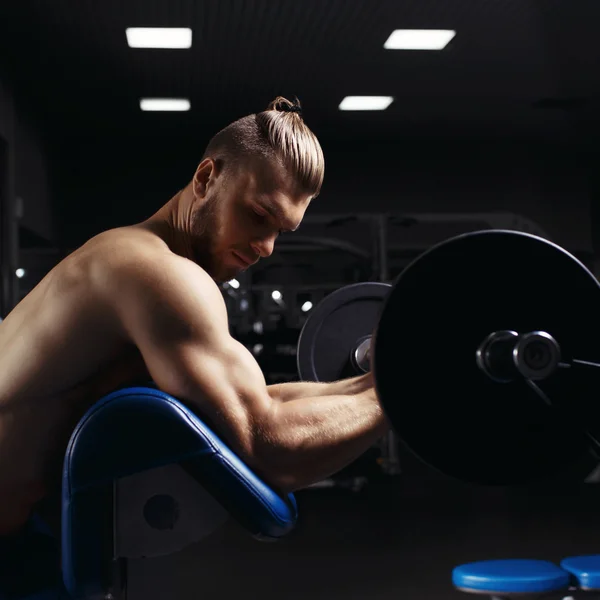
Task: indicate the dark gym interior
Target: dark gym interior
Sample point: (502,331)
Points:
(498,129)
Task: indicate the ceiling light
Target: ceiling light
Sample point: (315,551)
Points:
(419,39)
(165,104)
(366,102)
(159,37)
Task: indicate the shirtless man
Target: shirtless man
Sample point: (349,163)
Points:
(140,302)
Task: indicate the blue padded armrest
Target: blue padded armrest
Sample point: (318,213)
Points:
(512,576)
(133,430)
(585,571)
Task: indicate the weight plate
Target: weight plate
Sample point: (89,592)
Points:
(442,404)
(335,328)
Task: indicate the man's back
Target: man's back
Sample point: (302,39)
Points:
(61,350)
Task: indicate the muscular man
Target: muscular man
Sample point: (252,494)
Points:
(141,302)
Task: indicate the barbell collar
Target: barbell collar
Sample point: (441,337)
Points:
(361,355)
(507,355)
(495,356)
(536,355)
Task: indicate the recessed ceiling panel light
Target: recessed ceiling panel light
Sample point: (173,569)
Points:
(165,104)
(159,37)
(365,102)
(419,39)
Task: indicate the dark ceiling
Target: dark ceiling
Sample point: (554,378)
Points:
(515,68)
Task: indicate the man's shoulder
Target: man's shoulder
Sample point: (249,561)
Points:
(145,284)
(119,247)
(129,257)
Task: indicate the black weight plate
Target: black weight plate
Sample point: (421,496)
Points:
(334,328)
(452,415)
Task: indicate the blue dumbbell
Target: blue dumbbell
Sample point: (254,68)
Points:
(584,571)
(511,577)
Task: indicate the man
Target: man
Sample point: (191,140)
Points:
(141,302)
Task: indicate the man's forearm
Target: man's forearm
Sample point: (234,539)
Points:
(284,392)
(312,437)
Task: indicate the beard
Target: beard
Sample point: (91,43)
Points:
(205,233)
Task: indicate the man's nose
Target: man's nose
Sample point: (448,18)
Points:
(264,247)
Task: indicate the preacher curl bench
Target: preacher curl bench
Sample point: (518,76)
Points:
(144,476)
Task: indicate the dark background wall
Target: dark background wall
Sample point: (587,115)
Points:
(32,180)
(28,214)
(29,164)
(116,181)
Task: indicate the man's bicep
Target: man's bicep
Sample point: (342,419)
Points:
(164,315)
(181,330)
(223,383)
(219,381)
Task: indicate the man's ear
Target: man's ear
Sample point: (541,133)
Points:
(203,174)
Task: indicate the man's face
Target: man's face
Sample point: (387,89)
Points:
(241,215)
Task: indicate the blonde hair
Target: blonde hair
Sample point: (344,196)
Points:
(279,133)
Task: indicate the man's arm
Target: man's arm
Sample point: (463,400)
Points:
(324,432)
(294,389)
(175,315)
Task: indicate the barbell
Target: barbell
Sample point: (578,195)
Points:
(484,351)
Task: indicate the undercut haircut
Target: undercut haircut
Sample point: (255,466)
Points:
(278,133)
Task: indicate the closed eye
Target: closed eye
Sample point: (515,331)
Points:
(262,217)
(258,215)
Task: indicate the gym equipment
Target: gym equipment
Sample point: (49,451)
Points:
(584,571)
(335,340)
(335,343)
(507,577)
(144,476)
(511,577)
(483,357)
(492,337)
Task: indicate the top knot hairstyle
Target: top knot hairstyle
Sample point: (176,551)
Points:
(279,133)
(283,105)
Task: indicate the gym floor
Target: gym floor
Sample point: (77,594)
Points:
(391,540)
